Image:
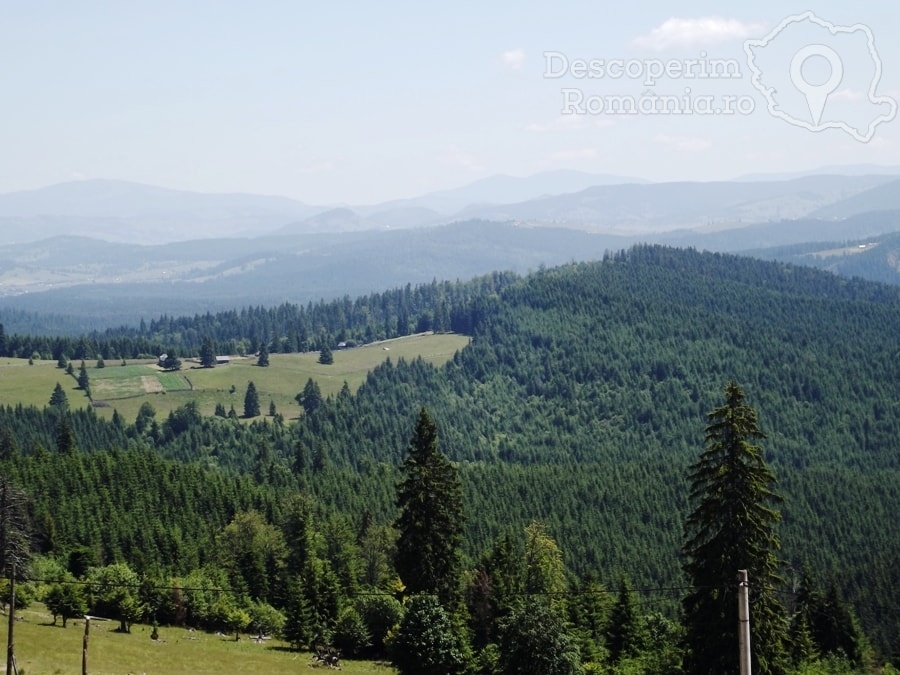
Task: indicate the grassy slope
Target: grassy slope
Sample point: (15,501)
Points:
(125,388)
(51,650)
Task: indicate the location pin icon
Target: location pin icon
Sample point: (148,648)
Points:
(816,94)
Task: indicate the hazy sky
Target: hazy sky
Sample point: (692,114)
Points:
(365,102)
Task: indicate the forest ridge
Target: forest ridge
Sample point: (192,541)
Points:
(580,404)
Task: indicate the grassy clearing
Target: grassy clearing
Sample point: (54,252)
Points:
(44,649)
(32,385)
(126,388)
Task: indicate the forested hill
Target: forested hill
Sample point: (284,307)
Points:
(581,401)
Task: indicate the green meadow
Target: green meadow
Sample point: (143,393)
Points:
(44,649)
(126,387)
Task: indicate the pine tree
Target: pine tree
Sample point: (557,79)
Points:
(84,381)
(623,632)
(9,448)
(58,398)
(326,358)
(802,642)
(431,516)
(65,437)
(208,353)
(311,397)
(732,527)
(263,359)
(251,401)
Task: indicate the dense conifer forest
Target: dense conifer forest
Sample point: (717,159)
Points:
(572,420)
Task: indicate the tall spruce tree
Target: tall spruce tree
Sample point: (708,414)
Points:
(623,633)
(251,401)
(326,358)
(263,359)
(208,353)
(65,437)
(431,516)
(732,527)
(58,398)
(84,381)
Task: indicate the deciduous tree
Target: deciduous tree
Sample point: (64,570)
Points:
(426,641)
(535,639)
(65,599)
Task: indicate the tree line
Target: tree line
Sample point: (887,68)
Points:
(404,592)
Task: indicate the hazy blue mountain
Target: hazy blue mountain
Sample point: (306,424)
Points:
(127,212)
(344,219)
(123,282)
(831,170)
(875,258)
(785,232)
(132,212)
(885,197)
(127,283)
(635,208)
(502,189)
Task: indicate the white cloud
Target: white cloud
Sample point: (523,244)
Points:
(575,154)
(455,156)
(570,123)
(682,32)
(513,59)
(318,166)
(683,143)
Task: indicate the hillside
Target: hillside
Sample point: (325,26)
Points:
(876,257)
(89,284)
(581,401)
(125,387)
(659,207)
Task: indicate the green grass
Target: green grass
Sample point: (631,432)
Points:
(44,649)
(33,385)
(126,388)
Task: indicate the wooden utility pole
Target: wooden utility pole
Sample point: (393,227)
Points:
(744,621)
(84,644)
(10,652)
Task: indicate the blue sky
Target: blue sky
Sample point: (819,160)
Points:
(366,102)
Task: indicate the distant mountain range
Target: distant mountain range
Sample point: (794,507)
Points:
(113,284)
(832,170)
(114,210)
(307,253)
(125,212)
(660,207)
